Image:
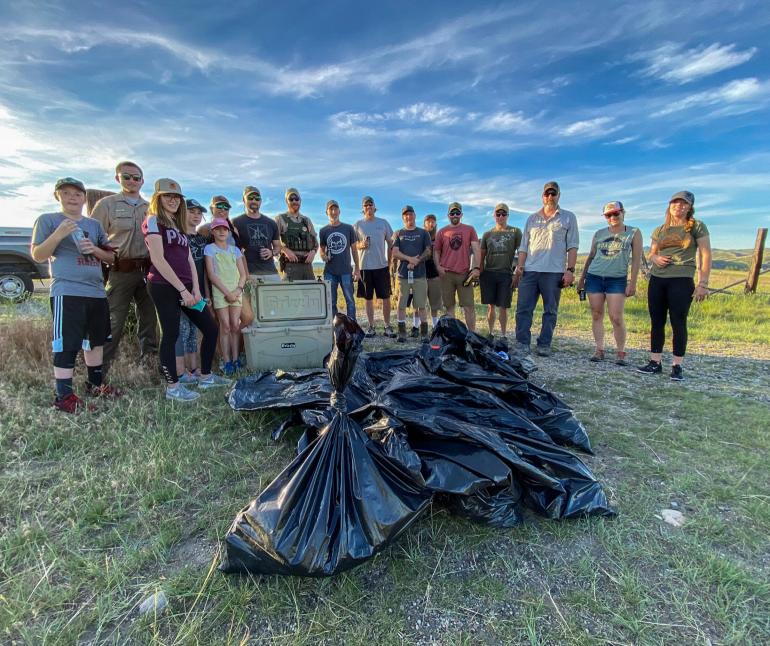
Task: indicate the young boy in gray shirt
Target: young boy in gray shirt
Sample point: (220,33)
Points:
(75,247)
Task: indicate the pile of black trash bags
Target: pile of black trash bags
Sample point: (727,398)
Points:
(454,422)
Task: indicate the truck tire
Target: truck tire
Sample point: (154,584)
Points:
(15,286)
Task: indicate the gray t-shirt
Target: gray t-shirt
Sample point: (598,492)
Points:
(337,241)
(73,273)
(411,242)
(547,240)
(379,231)
(613,252)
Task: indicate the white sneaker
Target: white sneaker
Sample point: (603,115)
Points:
(181,394)
(213,381)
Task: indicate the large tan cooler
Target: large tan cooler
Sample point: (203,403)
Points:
(292,326)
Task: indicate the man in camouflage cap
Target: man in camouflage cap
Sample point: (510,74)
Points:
(299,243)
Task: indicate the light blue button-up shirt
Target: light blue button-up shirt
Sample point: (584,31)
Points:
(547,240)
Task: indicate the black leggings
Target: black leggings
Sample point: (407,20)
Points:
(669,297)
(166,299)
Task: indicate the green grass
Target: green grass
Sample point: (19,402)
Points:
(101,510)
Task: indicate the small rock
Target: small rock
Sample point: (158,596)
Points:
(156,603)
(674,505)
(672,517)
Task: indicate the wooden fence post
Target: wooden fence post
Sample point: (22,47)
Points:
(756,262)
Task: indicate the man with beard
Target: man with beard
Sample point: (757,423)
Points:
(299,243)
(455,244)
(338,246)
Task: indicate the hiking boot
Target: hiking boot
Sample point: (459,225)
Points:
(181,393)
(620,359)
(72,404)
(676,373)
(388,332)
(370,332)
(652,368)
(104,391)
(597,357)
(522,348)
(401,333)
(424,332)
(229,368)
(415,332)
(543,351)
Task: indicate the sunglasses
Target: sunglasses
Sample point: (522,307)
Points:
(293,198)
(128,176)
(224,206)
(500,214)
(550,193)
(613,214)
(253,196)
(455,213)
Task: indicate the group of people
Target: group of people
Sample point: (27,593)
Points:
(190,276)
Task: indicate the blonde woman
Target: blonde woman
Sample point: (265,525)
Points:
(173,283)
(675,246)
(605,277)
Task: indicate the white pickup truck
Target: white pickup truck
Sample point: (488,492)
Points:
(17,269)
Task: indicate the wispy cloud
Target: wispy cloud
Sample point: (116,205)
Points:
(671,62)
(747,94)
(505,122)
(589,128)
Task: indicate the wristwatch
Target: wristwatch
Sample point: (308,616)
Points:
(571,270)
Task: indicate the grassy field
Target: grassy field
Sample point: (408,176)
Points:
(101,510)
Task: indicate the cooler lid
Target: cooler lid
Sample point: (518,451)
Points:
(298,301)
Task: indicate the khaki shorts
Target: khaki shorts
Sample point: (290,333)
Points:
(434,294)
(419,291)
(452,283)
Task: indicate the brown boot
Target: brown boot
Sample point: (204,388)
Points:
(401,332)
(424,332)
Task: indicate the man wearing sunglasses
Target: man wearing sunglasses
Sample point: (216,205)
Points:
(299,243)
(455,244)
(121,216)
(499,247)
(259,236)
(546,264)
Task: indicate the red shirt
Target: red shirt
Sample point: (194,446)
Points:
(453,244)
(176,251)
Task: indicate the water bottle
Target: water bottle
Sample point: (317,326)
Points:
(410,277)
(78,235)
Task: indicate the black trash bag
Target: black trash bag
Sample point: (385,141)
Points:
(337,504)
(553,482)
(496,506)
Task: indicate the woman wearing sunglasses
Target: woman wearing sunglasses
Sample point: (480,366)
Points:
(673,252)
(172,282)
(605,278)
(220,209)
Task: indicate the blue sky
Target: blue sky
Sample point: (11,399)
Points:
(420,103)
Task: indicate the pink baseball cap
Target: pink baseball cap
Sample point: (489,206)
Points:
(219,222)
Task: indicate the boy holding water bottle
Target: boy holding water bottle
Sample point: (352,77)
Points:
(412,247)
(75,247)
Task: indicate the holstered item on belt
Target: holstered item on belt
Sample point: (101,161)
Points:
(131,264)
(282,262)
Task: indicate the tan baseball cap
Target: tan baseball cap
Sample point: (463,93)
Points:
(166,185)
(332,203)
(290,191)
(502,206)
(248,190)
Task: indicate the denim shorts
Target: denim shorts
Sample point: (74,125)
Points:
(605,284)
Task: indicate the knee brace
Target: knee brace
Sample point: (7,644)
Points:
(65,359)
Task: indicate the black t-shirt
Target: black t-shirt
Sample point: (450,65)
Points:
(411,242)
(338,242)
(255,234)
(430,265)
(197,244)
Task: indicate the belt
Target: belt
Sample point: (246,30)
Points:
(130,264)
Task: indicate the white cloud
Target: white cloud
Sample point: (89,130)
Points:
(740,91)
(598,127)
(622,141)
(671,63)
(434,113)
(505,121)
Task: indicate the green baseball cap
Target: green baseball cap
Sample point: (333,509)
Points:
(248,190)
(69,181)
(502,206)
(552,185)
(453,206)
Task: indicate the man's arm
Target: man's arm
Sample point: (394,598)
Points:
(476,252)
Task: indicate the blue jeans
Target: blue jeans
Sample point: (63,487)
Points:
(346,282)
(532,285)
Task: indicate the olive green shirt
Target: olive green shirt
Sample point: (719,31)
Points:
(501,249)
(681,247)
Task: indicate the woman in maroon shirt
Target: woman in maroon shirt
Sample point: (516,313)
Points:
(173,283)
